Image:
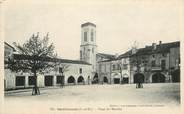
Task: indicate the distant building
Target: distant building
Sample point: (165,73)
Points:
(114,69)
(158,63)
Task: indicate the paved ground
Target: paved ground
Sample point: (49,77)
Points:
(165,94)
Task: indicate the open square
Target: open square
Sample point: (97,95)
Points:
(166,94)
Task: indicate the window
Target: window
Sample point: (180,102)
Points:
(164,55)
(85,36)
(100,67)
(153,56)
(20,80)
(80,55)
(80,70)
(113,67)
(125,66)
(153,63)
(118,65)
(32,80)
(92,50)
(92,35)
(177,62)
(163,64)
(58,79)
(60,70)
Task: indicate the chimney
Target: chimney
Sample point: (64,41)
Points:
(160,42)
(154,45)
(134,50)
(116,55)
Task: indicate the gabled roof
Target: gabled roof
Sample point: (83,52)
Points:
(88,23)
(107,56)
(49,59)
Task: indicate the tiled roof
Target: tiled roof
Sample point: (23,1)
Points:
(124,55)
(108,60)
(24,57)
(160,48)
(88,23)
(107,56)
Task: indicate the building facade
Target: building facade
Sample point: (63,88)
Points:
(158,63)
(77,73)
(67,72)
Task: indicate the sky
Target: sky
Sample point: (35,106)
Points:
(118,23)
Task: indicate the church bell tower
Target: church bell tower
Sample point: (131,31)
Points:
(88,47)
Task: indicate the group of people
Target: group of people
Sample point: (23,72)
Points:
(139,80)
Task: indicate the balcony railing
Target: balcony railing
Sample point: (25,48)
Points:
(156,68)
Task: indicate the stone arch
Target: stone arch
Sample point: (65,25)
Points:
(176,75)
(125,78)
(105,79)
(158,78)
(139,78)
(95,78)
(116,78)
(71,79)
(80,79)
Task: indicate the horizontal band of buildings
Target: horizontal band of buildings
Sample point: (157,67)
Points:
(157,63)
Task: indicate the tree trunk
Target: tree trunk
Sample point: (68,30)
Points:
(36,90)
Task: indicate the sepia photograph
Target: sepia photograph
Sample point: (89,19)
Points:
(84,56)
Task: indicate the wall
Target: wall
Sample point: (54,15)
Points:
(73,70)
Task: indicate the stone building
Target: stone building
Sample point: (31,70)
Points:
(158,63)
(114,69)
(78,73)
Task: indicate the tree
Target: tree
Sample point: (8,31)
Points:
(120,70)
(35,56)
(136,61)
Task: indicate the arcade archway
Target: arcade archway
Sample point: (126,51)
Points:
(80,79)
(158,78)
(139,78)
(105,80)
(176,75)
(95,79)
(71,79)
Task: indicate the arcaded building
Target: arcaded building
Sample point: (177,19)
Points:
(158,63)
